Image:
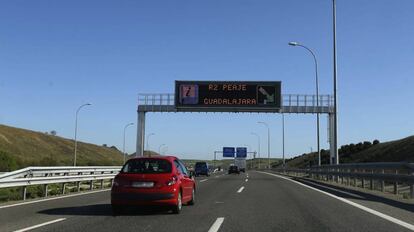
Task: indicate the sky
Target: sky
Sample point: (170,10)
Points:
(58,55)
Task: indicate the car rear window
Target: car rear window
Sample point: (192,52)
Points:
(143,166)
(201,165)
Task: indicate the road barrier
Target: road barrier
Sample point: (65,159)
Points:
(57,175)
(372,176)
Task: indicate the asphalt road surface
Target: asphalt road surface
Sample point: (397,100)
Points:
(252,201)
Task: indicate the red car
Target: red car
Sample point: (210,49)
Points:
(157,180)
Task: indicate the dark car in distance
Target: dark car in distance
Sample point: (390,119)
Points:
(201,168)
(157,180)
(234,169)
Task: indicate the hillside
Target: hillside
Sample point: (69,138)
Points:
(401,150)
(21,148)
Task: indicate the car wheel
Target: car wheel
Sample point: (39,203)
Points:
(177,208)
(192,198)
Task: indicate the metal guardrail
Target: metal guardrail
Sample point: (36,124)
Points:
(377,175)
(55,175)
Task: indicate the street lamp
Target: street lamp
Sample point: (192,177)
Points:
(159,148)
(283,139)
(317,95)
(335,140)
(123,146)
(148,149)
(165,150)
(268,142)
(249,149)
(76,131)
(258,145)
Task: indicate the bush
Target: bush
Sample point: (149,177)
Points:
(7,162)
(375,142)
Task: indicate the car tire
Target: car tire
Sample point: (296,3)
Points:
(177,208)
(192,202)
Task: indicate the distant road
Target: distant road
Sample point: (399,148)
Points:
(224,203)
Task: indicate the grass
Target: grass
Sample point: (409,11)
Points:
(401,150)
(20,148)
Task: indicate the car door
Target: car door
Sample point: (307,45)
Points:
(181,177)
(187,182)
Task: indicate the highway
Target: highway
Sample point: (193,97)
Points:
(252,201)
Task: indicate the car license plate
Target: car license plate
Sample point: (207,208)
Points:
(142,184)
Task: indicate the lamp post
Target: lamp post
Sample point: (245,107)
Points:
(268,143)
(317,95)
(123,145)
(258,145)
(148,149)
(335,139)
(165,150)
(249,149)
(283,139)
(159,148)
(76,130)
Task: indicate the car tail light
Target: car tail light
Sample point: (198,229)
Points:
(118,182)
(172,181)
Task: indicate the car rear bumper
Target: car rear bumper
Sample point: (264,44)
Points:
(122,198)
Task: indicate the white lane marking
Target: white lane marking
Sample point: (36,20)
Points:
(54,198)
(366,209)
(203,180)
(216,225)
(247,180)
(240,190)
(40,225)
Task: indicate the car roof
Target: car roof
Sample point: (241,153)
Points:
(171,158)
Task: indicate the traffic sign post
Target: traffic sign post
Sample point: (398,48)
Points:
(232,96)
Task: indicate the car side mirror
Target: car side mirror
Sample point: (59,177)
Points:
(191,174)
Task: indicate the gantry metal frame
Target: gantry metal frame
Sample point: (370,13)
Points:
(290,104)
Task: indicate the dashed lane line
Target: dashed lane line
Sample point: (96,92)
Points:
(216,225)
(40,225)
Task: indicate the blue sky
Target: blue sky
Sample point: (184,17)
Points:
(57,55)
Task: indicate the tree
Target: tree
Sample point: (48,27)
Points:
(367,144)
(375,142)
(53,132)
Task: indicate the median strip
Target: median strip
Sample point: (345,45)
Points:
(40,225)
(216,226)
(240,190)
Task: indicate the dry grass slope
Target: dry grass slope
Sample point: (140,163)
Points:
(401,150)
(34,148)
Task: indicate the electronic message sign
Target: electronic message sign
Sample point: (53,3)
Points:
(237,95)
